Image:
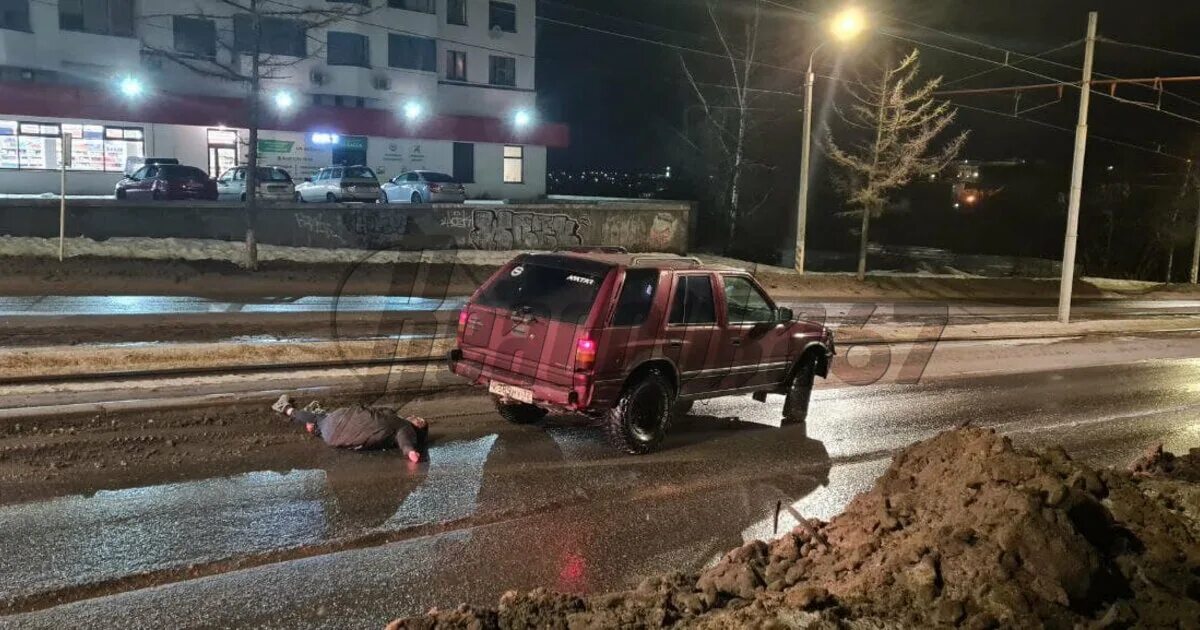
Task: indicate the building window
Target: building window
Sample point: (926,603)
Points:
(464,162)
(514,165)
(456,65)
(195,36)
(503,71)
(421,6)
(456,12)
(503,16)
(101,17)
(413,53)
(14,15)
(280,36)
(348,49)
(38,146)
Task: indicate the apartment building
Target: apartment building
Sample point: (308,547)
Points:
(396,85)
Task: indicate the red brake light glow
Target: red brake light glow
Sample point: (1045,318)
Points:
(463,316)
(585,353)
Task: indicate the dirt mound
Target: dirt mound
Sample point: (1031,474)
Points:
(962,529)
(1155,463)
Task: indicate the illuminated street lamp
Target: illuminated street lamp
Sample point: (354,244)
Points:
(284,100)
(131,87)
(413,110)
(522,118)
(845,27)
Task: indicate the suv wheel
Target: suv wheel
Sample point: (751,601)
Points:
(799,393)
(329,198)
(638,423)
(416,198)
(519,413)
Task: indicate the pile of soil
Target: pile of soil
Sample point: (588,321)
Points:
(962,530)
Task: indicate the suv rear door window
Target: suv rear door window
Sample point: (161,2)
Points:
(693,302)
(637,296)
(744,303)
(545,291)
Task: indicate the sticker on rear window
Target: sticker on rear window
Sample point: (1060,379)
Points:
(581,280)
(517,271)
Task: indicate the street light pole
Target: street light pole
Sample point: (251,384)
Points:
(1081,132)
(805,156)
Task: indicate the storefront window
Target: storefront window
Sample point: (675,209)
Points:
(38,146)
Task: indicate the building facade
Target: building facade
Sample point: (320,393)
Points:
(444,85)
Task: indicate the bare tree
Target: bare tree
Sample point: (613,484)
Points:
(899,120)
(728,108)
(245,57)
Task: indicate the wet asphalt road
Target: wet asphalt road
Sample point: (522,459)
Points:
(520,507)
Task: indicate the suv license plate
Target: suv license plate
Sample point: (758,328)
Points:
(509,391)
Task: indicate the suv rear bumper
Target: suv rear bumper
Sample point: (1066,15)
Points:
(574,398)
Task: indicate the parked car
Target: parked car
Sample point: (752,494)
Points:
(135,162)
(333,184)
(422,187)
(633,340)
(274,184)
(167,181)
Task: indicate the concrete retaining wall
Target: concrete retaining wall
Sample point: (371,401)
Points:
(635,226)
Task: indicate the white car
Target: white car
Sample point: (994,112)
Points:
(274,184)
(334,184)
(422,187)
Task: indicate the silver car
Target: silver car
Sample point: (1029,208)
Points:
(422,187)
(274,184)
(334,184)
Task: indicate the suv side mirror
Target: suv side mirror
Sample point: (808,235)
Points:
(784,315)
(308,179)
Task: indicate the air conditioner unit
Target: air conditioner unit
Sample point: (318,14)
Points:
(318,76)
(381,83)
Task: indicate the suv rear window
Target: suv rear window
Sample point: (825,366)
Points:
(437,178)
(556,293)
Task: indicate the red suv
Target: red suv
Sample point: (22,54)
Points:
(632,339)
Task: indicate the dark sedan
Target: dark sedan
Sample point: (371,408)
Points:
(167,181)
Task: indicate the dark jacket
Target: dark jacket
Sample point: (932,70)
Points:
(364,428)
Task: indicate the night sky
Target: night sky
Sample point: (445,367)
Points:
(623,97)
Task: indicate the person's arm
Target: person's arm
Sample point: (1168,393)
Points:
(406,441)
(300,416)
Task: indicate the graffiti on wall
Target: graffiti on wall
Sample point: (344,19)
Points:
(316,225)
(377,224)
(641,230)
(501,229)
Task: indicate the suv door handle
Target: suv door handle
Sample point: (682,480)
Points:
(736,342)
(675,343)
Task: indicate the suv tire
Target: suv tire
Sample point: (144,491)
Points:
(639,421)
(519,413)
(681,408)
(799,392)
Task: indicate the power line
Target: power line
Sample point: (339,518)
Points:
(1165,51)
(1091,136)
(1008,63)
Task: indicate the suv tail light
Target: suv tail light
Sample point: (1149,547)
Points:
(435,188)
(585,353)
(463,316)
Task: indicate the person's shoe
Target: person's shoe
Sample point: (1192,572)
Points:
(414,457)
(282,404)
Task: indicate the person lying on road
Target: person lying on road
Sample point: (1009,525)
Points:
(361,428)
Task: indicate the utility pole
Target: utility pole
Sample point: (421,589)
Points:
(1085,98)
(1195,181)
(805,156)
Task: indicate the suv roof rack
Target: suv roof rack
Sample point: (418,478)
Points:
(598,249)
(667,258)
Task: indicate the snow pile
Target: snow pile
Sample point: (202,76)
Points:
(962,529)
